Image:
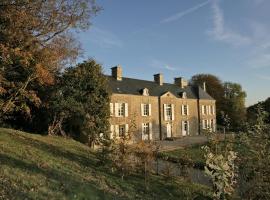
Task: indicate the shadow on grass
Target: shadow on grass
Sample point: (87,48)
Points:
(87,160)
(57,181)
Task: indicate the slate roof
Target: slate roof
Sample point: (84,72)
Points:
(135,87)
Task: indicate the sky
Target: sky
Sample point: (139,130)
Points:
(181,38)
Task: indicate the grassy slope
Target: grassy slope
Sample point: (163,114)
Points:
(42,167)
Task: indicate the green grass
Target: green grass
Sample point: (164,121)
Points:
(50,167)
(194,153)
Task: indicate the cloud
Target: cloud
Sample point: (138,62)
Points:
(161,65)
(103,38)
(264,77)
(181,14)
(260,61)
(222,33)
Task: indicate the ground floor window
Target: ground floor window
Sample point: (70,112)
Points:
(146,131)
(122,130)
(185,128)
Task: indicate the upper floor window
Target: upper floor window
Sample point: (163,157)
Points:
(185,110)
(121,109)
(184,95)
(168,112)
(146,109)
(204,109)
(145,92)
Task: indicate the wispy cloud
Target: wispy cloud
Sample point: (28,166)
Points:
(161,65)
(181,14)
(221,32)
(104,38)
(264,77)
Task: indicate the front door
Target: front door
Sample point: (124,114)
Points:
(169,130)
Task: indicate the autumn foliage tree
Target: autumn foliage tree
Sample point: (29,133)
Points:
(35,43)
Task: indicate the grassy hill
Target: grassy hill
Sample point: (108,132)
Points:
(46,167)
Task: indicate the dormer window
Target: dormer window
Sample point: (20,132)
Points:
(184,95)
(145,92)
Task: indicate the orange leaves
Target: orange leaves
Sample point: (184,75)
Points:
(43,75)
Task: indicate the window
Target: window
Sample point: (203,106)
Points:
(168,111)
(212,110)
(204,109)
(111,109)
(185,125)
(122,130)
(204,124)
(146,109)
(185,128)
(184,95)
(146,128)
(121,109)
(212,125)
(146,131)
(185,110)
(145,92)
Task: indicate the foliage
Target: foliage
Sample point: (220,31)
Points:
(36,42)
(235,104)
(222,170)
(81,103)
(145,155)
(252,111)
(254,152)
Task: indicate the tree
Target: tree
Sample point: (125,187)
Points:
(235,104)
(80,105)
(252,110)
(36,42)
(214,88)
(254,153)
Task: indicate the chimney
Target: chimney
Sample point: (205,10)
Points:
(204,86)
(158,78)
(117,72)
(181,82)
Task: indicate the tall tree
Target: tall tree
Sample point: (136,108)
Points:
(235,104)
(35,43)
(80,106)
(214,87)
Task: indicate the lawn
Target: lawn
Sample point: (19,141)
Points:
(49,167)
(193,153)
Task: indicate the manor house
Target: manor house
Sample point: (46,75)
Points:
(154,110)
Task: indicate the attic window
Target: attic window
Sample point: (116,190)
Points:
(184,95)
(145,92)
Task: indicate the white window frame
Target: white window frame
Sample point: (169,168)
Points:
(185,126)
(168,112)
(146,109)
(111,109)
(185,109)
(121,109)
(147,131)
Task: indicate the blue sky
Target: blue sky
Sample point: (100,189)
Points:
(227,38)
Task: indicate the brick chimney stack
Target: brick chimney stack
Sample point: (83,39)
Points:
(158,78)
(181,82)
(117,72)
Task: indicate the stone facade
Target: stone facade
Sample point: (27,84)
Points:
(157,110)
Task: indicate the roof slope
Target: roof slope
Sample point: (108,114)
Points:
(135,86)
